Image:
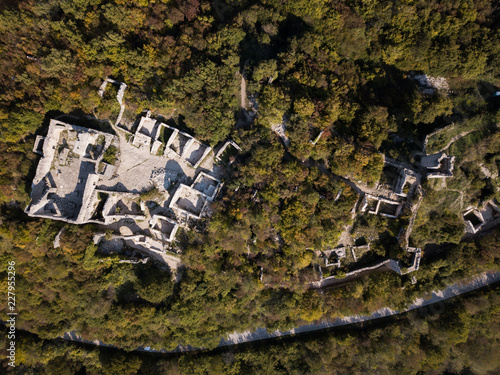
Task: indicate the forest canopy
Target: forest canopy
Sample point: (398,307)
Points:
(343,78)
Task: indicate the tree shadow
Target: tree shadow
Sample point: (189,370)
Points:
(361,241)
(28,178)
(78,117)
(180,124)
(243,118)
(126,293)
(255,51)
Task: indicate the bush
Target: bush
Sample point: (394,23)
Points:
(110,156)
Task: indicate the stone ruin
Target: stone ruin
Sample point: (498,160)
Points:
(280,130)
(160,138)
(191,201)
(318,137)
(115,206)
(381,206)
(68,172)
(473,220)
(417,256)
(227,151)
(389,264)
(437,165)
(357,249)
(337,253)
(476,219)
(38,146)
(78,182)
(163,228)
(387,199)
(428,85)
(407,177)
(403,179)
(119,94)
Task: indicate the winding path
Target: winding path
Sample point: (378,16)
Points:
(456,138)
(435,298)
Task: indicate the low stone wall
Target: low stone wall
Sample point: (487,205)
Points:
(426,140)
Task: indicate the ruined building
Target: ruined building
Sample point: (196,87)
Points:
(130,187)
(381,206)
(71,166)
(437,165)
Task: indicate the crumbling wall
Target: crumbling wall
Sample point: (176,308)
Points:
(119,95)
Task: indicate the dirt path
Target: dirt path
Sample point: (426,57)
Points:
(243,92)
(454,290)
(235,338)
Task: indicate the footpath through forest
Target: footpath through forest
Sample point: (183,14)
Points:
(436,298)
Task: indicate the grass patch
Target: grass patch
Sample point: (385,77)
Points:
(151,194)
(110,156)
(461,146)
(441,139)
(439,218)
(161,150)
(165,134)
(438,201)
(101,167)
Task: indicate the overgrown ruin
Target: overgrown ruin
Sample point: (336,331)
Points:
(476,220)
(142,187)
(381,206)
